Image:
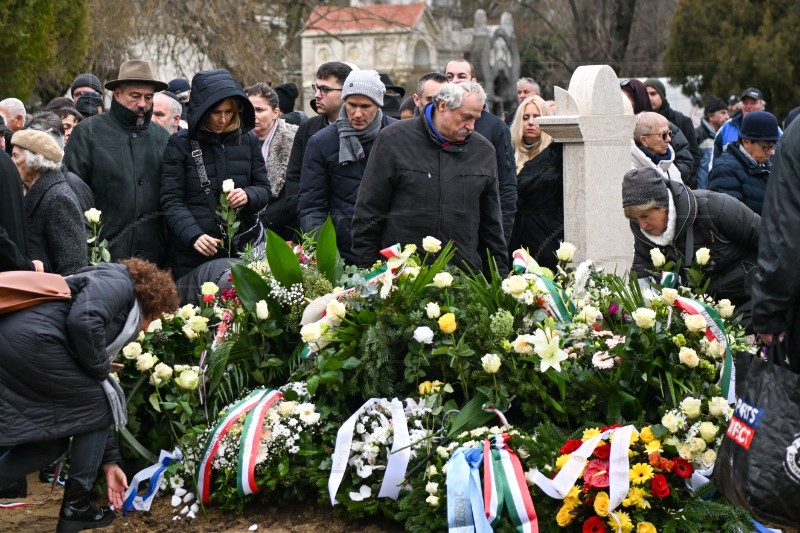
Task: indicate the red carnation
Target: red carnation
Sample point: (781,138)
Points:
(596,474)
(571,445)
(594,525)
(659,486)
(602,452)
(682,467)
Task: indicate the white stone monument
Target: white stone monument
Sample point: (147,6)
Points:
(595,122)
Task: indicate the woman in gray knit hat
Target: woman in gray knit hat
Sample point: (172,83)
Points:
(676,221)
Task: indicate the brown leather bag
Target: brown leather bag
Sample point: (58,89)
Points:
(21,289)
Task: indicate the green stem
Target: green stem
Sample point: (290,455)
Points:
(461,377)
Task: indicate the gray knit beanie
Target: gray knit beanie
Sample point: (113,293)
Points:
(641,186)
(86,80)
(366,83)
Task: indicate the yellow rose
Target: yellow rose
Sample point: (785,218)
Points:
(645,527)
(647,434)
(565,515)
(447,323)
(601,504)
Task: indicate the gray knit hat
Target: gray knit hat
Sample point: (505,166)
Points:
(641,186)
(366,83)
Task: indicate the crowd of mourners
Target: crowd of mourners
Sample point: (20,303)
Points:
(164,160)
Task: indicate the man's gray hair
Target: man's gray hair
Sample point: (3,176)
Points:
(13,107)
(452,94)
(523,81)
(175,107)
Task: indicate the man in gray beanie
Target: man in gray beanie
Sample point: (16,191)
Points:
(336,157)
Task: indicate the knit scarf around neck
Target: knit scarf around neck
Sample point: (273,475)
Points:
(351,140)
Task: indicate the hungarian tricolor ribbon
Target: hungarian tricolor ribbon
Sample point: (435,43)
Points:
(56,481)
(250,442)
(556,301)
(153,474)
(465,510)
(504,485)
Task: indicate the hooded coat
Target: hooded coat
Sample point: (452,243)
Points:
(234,155)
(53,358)
(725,226)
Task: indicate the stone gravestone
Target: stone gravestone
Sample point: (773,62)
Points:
(595,122)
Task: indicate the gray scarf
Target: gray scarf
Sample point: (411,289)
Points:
(350,139)
(116,398)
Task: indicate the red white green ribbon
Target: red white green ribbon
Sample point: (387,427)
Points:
(251,440)
(489,409)
(242,407)
(558,305)
(715,330)
(504,484)
(56,481)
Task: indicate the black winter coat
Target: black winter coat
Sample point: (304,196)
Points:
(235,155)
(291,187)
(329,188)
(727,227)
(497,133)
(53,358)
(686,126)
(13,224)
(776,285)
(684,160)
(735,174)
(539,223)
(414,187)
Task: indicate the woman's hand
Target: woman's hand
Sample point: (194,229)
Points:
(238,198)
(206,244)
(117,484)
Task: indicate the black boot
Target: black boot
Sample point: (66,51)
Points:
(78,513)
(18,489)
(47,474)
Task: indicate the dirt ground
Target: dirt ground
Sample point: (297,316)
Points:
(43,518)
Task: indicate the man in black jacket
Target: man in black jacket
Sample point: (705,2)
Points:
(431,176)
(498,134)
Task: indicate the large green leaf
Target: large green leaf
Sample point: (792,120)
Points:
(327,253)
(250,287)
(470,417)
(283,263)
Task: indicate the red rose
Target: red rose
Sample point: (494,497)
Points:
(615,426)
(603,451)
(208,298)
(571,445)
(596,474)
(594,525)
(682,467)
(659,486)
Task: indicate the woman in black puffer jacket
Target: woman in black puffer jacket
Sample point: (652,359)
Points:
(221,119)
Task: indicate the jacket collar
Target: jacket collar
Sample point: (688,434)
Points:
(750,164)
(127,118)
(40,187)
(427,122)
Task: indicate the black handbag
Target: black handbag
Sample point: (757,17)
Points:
(758,464)
(253,233)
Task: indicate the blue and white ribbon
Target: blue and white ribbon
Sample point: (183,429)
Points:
(154,473)
(465,512)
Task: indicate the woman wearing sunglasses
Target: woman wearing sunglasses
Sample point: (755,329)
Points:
(650,146)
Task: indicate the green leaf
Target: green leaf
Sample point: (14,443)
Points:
(352,362)
(332,364)
(331,376)
(470,417)
(154,402)
(272,361)
(312,384)
(327,253)
(250,287)
(283,263)
(149,456)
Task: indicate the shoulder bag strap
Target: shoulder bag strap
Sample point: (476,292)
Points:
(205,183)
(689,253)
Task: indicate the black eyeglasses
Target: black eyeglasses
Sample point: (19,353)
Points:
(767,147)
(323,88)
(664,134)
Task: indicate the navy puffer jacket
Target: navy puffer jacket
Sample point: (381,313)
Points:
(735,174)
(53,358)
(235,155)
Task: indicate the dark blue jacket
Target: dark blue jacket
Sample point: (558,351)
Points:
(735,174)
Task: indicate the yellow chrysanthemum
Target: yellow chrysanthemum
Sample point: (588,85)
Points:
(589,433)
(565,515)
(601,503)
(573,496)
(624,520)
(562,460)
(634,437)
(636,498)
(645,527)
(647,434)
(653,446)
(640,473)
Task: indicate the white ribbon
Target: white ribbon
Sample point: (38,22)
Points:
(143,504)
(400,455)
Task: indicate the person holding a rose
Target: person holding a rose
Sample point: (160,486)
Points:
(219,155)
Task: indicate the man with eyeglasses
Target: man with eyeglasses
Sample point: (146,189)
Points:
(650,146)
(743,169)
(328,100)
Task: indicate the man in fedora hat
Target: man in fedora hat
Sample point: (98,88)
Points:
(119,155)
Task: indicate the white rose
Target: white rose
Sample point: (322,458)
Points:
(432,500)
(515,285)
(146,361)
(262,310)
(691,406)
(491,363)
(431,244)
(645,318)
(442,280)
(708,458)
(286,408)
(715,349)
(689,357)
(708,431)
(227,186)
(140,336)
(209,288)
(432,310)
(198,324)
(717,406)
(669,295)
(725,308)
(697,445)
(311,333)
(155,326)
(423,335)
(189,332)
(695,323)
(188,380)
(565,252)
(589,314)
(92,216)
(336,309)
(670,421)
(657,257)
(685,451)
(132,350)
(431,487)
(702,256)
(163,371)
(523,345)
(187,311)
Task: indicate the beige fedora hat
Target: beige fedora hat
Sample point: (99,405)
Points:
(136,71)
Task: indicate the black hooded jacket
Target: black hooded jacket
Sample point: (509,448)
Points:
(234,155)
